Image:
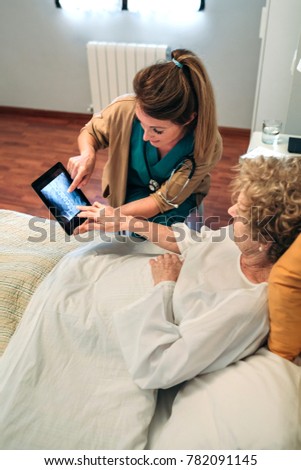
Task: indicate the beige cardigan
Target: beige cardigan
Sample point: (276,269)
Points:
(112,128)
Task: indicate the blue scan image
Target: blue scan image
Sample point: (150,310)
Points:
(57,194)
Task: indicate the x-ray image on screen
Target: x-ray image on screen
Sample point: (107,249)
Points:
(59,198)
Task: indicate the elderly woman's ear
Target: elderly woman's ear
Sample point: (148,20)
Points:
(264,247)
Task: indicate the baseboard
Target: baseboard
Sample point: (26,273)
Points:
(86,116)
(43,113)
(235,130)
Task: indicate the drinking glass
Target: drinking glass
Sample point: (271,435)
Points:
(271,129)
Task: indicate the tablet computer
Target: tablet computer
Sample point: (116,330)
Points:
(52,188)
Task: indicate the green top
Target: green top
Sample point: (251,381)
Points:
(145,164)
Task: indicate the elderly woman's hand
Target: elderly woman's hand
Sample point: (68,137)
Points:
(100,217)
(166,267)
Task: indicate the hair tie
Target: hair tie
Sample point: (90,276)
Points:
(177,63)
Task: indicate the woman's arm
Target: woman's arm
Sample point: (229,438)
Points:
(109,219)
(81,167)
(141,208)
(160,353)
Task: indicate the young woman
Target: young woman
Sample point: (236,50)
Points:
(163,142)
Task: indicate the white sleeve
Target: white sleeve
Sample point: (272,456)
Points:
(160,354)
(186,237)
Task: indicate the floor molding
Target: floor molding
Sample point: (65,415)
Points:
(43,113)
(86,116)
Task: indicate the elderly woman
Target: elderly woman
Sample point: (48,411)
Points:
(210,310)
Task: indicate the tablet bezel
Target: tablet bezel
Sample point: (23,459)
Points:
(43,181)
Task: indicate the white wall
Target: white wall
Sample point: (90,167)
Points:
(293,122)
(278,88)
(43,52)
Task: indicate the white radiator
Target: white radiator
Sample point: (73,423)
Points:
(112,67)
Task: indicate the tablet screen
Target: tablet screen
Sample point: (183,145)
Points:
(56,192)
(52,188)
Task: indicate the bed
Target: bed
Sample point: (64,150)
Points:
(252,404)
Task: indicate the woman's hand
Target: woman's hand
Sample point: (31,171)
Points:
(166,267)
(100,217)
(81,169)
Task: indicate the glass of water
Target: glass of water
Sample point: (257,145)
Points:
(271,129)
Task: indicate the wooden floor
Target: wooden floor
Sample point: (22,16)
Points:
(32,141)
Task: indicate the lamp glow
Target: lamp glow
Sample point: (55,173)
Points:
(166,7)
(91,5)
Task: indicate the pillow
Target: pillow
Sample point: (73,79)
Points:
(30,248)
(252,404)
(284,293)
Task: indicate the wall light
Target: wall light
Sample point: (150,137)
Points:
(89,5)
(165,7)
(142,6)
(181,11)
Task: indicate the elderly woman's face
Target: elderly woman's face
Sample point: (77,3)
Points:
(241,228)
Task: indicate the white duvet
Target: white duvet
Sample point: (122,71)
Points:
(63,380)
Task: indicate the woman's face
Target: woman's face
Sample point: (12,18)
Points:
(241,227)
(160,133)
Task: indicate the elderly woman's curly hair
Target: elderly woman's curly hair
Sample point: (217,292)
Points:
(271,188)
